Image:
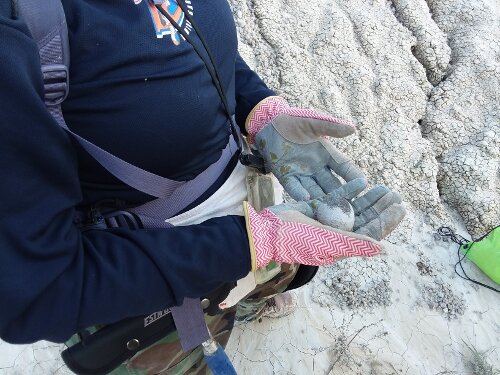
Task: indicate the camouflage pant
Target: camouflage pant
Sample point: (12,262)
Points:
(270,281)
(166,356)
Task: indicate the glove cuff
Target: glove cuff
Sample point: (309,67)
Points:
(262,114)
(262,229)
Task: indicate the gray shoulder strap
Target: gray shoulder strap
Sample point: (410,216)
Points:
(47,23)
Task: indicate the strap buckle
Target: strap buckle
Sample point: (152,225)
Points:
(55,83)
(254,160)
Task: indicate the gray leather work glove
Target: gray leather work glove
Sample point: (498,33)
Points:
(292,143)
(375,214)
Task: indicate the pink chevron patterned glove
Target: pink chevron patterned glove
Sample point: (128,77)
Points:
(289,236)
(292,143)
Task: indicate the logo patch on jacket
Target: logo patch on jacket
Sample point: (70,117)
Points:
(162,24)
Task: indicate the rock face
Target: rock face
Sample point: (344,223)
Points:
(420,79)
(462,120)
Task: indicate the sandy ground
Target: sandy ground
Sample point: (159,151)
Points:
(422,81)
(416,318)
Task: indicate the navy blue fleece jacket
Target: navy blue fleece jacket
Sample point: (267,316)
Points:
(147,99)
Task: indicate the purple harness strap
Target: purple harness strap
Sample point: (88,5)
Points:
(190,323)
(47,23)
(165,208)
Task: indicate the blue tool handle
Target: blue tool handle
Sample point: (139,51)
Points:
(218,361)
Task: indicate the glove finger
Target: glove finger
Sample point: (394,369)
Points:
(312,186)
(340,164)
(351,188)
(327,180)
(384,224)
(324,124)
(294,188)
(302,207)
(374,194)
(334,209)
(376,209)
(331,126)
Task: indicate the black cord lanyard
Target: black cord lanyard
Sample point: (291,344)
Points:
(212,69)
(247,159)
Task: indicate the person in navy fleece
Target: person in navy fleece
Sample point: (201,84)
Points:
(139,91)
(142,99)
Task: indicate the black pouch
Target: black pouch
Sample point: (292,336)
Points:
(106,349)
(302,277)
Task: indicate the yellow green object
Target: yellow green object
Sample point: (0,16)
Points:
(485,253)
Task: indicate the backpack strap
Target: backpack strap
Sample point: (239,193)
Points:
(47,23)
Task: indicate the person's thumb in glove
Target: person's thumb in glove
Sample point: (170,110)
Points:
(378,212)
(293,145)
